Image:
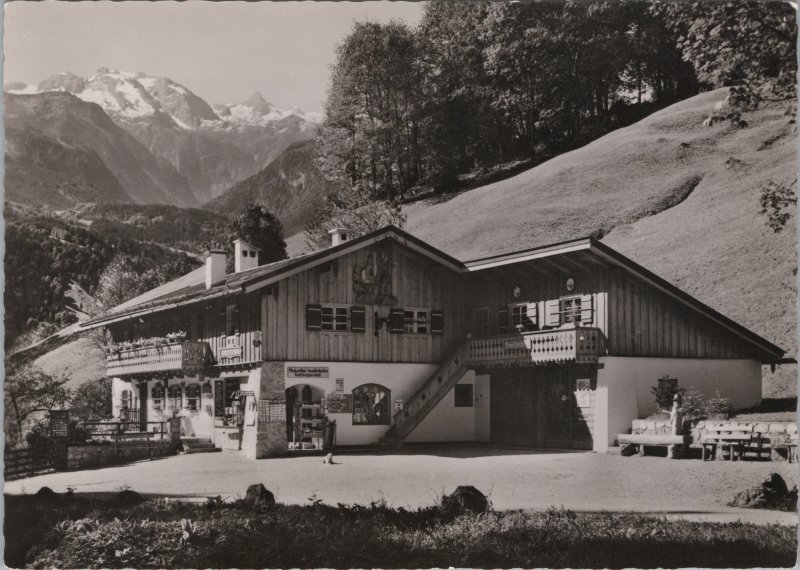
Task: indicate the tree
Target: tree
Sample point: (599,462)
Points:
(371,132)
(30,392)
(778,203)
(355,210)
(259,227)
(119,282)
(750,47)
(92,400)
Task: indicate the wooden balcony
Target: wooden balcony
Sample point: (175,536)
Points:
(578,345)
(185,356)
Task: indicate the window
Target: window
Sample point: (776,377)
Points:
(416,321)
(193,397)
(570,309)
(334,318)
(371,405)
(231,311)
(463,393)
(523,314)
(174,397)
(127,396)
(157,394)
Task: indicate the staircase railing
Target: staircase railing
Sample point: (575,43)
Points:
(430,393)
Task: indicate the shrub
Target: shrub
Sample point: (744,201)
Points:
(719,408)
(694,407)
(665,392)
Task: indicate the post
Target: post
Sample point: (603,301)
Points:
(676,418)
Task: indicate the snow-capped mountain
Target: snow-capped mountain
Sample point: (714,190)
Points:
(213,147)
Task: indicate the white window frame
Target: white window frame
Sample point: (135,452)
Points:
(337,320)
(574,313)
(412,324)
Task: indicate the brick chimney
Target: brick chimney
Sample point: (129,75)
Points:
(339,235)
(246,256)
(215,267)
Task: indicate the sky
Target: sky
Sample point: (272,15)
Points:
(223,52)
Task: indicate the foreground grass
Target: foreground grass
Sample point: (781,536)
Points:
(75,533)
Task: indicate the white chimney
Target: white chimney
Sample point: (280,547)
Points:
(215,267)
(246,256)
(339,235)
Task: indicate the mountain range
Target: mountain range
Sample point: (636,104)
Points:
(203,147)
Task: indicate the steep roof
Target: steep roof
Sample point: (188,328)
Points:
(191,287)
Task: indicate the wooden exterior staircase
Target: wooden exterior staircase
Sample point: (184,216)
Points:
(425,399)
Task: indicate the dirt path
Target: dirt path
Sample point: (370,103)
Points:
(514,479)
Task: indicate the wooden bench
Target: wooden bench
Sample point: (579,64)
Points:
(784,436)
(652,433)
(733,437)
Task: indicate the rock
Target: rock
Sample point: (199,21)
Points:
(46,494)
(258,494)
(773,494)
(775,484)
(128,498)
(467,498)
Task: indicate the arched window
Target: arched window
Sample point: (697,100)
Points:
(371,405)
(193,397)
(174,397)
(157,394)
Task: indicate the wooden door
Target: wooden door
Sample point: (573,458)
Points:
(513,407)
(480,322)
(557,407)
(569,406)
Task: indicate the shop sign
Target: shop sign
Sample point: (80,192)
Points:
(307,372)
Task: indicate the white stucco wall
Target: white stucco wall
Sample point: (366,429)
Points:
(445,423)
(626,383)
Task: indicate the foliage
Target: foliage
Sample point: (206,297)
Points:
(92,400)
(693,406)
(259,227)
(749,46)
(355,210)
(480,84)
(665,392)
(719,408)
(83,533)
(29,394)
(778,203)
(45,255)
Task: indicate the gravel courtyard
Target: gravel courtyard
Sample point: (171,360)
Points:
(514,479)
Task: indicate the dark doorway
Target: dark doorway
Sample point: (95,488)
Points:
(291,400)
(513,407)
(142,406)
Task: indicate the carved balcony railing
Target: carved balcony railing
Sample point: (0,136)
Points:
(579,345)
(186,356)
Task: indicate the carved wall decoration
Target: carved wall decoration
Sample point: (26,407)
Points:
(372,282)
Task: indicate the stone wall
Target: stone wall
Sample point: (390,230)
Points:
(88,456)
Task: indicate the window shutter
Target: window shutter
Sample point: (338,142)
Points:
(358,319)
(502,318)
(533,315)
(437,322)
(313,317)
(397,321)
(587,312)
(552,317)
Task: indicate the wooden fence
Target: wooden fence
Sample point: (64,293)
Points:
(34,460)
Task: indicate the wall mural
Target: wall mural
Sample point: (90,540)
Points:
(372,282)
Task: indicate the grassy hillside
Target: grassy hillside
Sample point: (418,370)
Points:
(676,196)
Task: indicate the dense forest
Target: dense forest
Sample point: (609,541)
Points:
(478,84)
(45,254)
